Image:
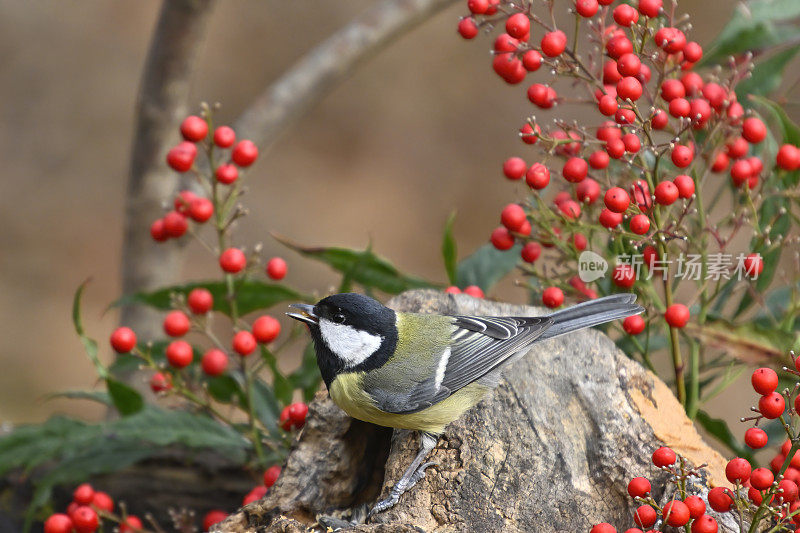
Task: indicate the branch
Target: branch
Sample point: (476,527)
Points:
(161,103)
(329,64)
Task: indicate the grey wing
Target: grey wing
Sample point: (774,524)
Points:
(479,345)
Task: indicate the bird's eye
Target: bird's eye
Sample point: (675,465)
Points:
(338,318)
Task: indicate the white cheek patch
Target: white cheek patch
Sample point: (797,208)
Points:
(349,344)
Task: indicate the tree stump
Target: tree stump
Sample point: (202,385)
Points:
(552,449)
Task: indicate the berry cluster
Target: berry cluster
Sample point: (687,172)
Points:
(682,510)
(628,180)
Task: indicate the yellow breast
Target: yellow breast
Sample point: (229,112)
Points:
(347,392)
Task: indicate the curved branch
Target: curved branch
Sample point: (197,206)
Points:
(328,64)
(162,102)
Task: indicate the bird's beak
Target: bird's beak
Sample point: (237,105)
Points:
(306,314)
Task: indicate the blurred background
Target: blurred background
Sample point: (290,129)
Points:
(420,130)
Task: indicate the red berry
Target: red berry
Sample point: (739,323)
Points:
(671,40)
(680,107)
(588,191)
(467,28)
(672,89)
(741,171)
(645,516)
(737,470)
(570,209)
(157,231)
(624,116)
(224,137)
(474,291)
(615,148)
(518,25)
(531,252)
(83,494)
(452,289)
(542,95)
(609,219)
(787,490)
(611,75)
(624,276)
(721,162)
(514,168)
(737,148)
(696,505)
(478,7)
(629,64)
(650,255)
(659,120)
(756,438)
(598,160)
(227,174)
(176,324)
(761,478)
(788,157)
(502,239)
(271,475)
(179,354)
(505,43)
(685,185)
(181,158)
(58,523)
(244,343)
(735,112)
(753,265)
(552,297)
(682,156)
(608,105)
(509,68)
(586,8)
(85,519)
(700,112)
(232,260)
(692,82)
(201,209)
(764,380)
(580,241)
(537,177)
(175,224)
(649,8)
(215,516)
(194,128)
(619,46)
(276,268)
(666,193)
(254,495)
(529,134)
(753,130)
(182,201)
(719,499)
(297,413)
(266,329)
(704,524)
(772,405)
(244,153)
(554,43)
(629,87)
(575,169)
(633,325)
(200,301)
(603,527)
(638,487)
(513,217)
(214,362)
(617,200)
(123,340)
(103,501)
(677,315)
(625,15)
(160,382)
(640,224)
(676,513)
(664,456)
(692,52)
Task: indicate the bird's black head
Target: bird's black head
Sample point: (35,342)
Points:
(351,332)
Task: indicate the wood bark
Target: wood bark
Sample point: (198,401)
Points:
(552,449)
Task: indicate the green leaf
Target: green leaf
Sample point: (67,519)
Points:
(720,430)
(266,405)
(281,384)
(754,26)
(767,74)
(126,399)
(486,266)
(450,250)
(88,344)
(790,130)
(251,295)
(362,267)
(93,396)
(225,389)
(307,376)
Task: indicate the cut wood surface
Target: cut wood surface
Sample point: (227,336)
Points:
(552,449)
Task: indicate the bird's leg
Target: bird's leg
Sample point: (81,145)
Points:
(412,475)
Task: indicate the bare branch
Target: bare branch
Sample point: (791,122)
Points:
(162,102)
(328,64)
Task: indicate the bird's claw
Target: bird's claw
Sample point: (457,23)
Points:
(400,488)
(419,474)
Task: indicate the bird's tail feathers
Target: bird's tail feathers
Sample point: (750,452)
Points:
(592,313)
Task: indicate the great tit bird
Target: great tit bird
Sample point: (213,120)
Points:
(422,371)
